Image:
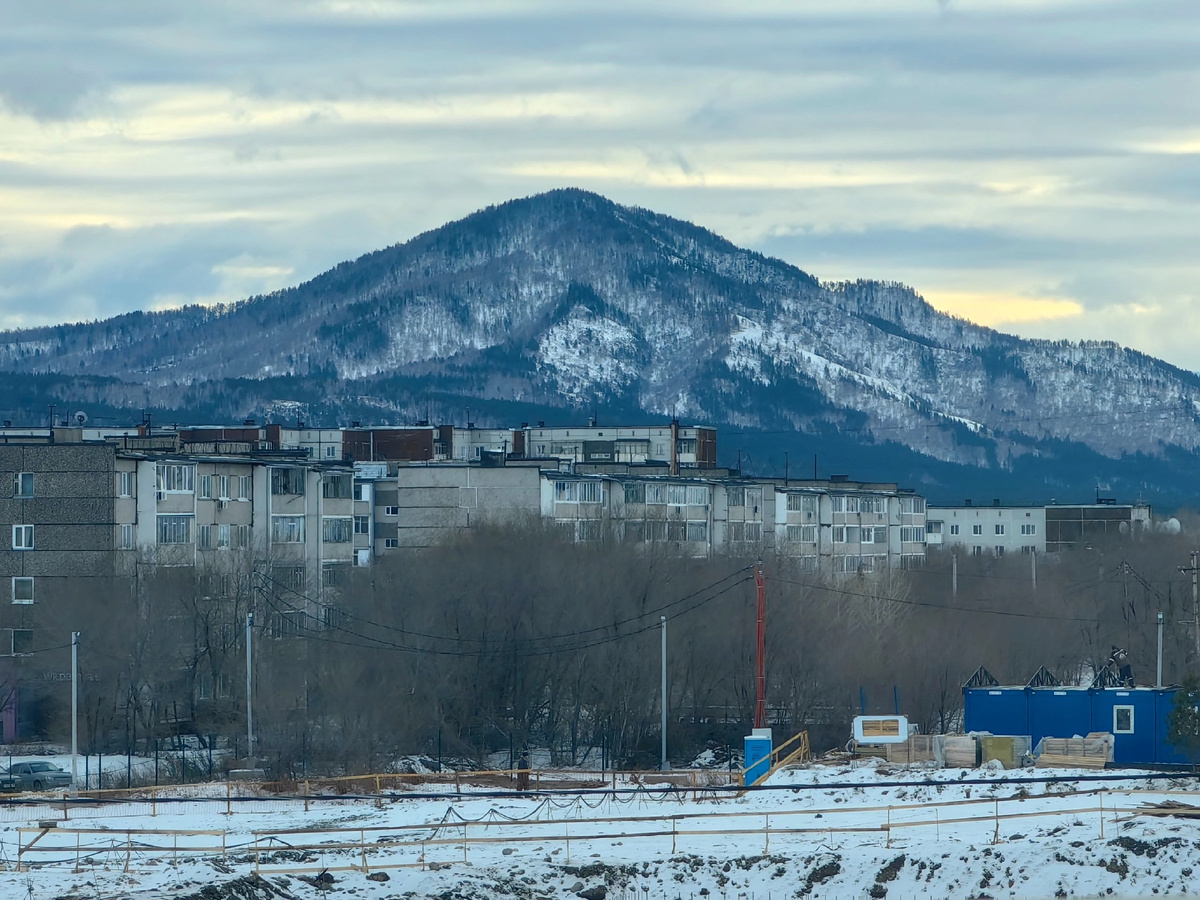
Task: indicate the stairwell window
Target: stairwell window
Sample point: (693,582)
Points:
(22,537)
(337,530)
(287,481)
(287,529)
(126,485)
(22,590)
(336,487)
(126,537)
(245,482)
(23,485)
(176,529)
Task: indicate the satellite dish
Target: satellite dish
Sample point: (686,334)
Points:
(79,418)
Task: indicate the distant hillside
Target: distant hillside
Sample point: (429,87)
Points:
(550,306)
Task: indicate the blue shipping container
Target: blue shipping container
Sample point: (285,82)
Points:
(1000,710)
(1059,712)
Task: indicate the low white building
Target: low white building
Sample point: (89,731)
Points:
(999,530)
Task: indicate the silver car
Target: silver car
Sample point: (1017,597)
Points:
(34,776)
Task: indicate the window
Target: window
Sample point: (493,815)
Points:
(697,496)
(911,561)
(676,495)
(287,529)
(635,532)
(239,536)
(22,537)
(221,482)
(287,624)
(1122,720)
(22,642)
(577,491)
(176,479)
(213,687)
(362,524)
(874,535)
(390,543)
(635,493)
(336,574)
(697,532)
(839,504)
(1029,549)
(976,529)
(223,537)
(289,579)
(22,590)
(589,530)
(914,505)
(999,528)
(245,483)
(803,534)
(977,550)
(1028,528)
(206,487)
(175,529)
(336,487)
(125,483)
(852,534)
(656,493)
(933,527)
(204,537)
(391,510)
(289,481)
(359,493)
(845,565)
(754,499)
(912,534)
(954,529)
(23,484)
(736,496)
(337,529)
(125,539)
(999,551)
(330,451)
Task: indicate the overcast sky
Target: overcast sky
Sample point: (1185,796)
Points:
(1031,164)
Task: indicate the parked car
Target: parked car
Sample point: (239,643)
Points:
(33,776)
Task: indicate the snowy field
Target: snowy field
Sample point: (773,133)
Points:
(823,838)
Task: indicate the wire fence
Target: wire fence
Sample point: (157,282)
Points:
(574,826)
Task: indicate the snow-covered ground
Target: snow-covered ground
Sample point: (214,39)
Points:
(943,838)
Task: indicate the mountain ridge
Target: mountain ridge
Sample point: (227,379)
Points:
(566,300)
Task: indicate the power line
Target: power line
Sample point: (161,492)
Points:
(381,643)
(921,603)
(658,610)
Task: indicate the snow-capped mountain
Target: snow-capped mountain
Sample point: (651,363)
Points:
(566,300)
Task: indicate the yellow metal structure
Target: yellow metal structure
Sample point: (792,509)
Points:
(794,749)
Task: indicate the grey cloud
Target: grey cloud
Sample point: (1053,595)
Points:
(949,97)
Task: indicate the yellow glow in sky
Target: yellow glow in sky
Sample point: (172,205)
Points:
(997,309)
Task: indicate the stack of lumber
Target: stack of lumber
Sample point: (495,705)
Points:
(961,751)
(918,748)
(1091,752)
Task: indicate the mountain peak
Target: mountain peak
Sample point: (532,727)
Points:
(564,298)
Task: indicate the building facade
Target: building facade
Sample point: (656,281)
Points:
(999,530)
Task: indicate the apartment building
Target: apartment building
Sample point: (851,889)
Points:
(841,527)
(998,530)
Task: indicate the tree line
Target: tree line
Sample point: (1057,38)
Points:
(508,638)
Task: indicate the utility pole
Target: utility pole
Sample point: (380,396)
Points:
(760,675)
(1033,567)
(249,695)
(1158,679)
(1195,605)
(1194,568)
(74,710)
(954,574)
(664,764)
